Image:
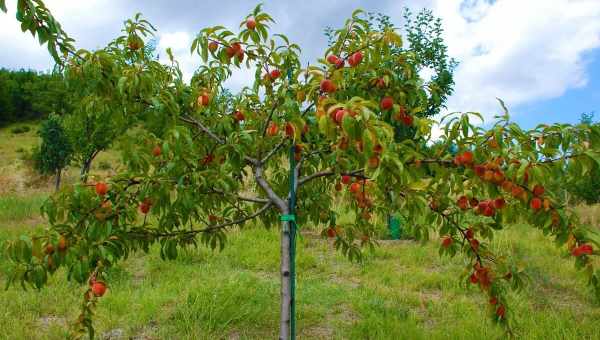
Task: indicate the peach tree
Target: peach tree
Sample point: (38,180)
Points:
(309,145)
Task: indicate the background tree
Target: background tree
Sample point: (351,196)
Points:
(587,188)
(29,95)
(55,150)
(202,162)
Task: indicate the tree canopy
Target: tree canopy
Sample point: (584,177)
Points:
(204,160)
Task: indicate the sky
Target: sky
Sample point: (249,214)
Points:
(542,57)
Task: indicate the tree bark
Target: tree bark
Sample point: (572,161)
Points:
(58,175)
(85,169)
(286,286)
(87,165)
(286,283)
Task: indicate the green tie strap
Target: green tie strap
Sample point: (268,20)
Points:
(288,218)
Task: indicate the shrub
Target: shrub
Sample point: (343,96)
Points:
(20,129)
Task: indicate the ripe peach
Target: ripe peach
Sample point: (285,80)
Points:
(355,59)
(230,51)
(536,203)
(584,249)
(327,86)
(474,244)
(489,211)
(156,151)
(516,191)
(331,232)
(457,160)
(98,288)
(343,144)
(275,74)
(203,100)
(538,190)
(101,188)
(238,116)
(467,157)
(507,186)
(373,162)
(386,103)
(289,130)
(469,233)
(144,207)
(378,149)
(272,129)
(49,249)
(339,116)
(333,59)
(463,203)
(251,23)
(498,177)
(479,170)
(355,187)
(499,203)
(500,311)
(447,241)
(547,204)
(62,243)
(240,55)
(488,176)
(407,120)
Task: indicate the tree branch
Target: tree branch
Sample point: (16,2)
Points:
(259,212)
(273,197)
(264,132)
(201,126)
(273,152)
(212,135)
(326,173)
(552,160)
(243,198)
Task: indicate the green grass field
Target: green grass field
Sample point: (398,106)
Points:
(403,290)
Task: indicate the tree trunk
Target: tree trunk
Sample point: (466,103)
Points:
(85,169)
(58,175)
(286,286)
(285,266)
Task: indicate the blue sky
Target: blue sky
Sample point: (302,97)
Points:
(568,107)
(542,57)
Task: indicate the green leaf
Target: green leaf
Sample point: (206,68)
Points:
(593,156)
(194,45)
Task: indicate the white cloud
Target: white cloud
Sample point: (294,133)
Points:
(180,43)
(521,51)
(92,23)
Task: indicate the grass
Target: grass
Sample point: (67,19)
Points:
(403,290)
